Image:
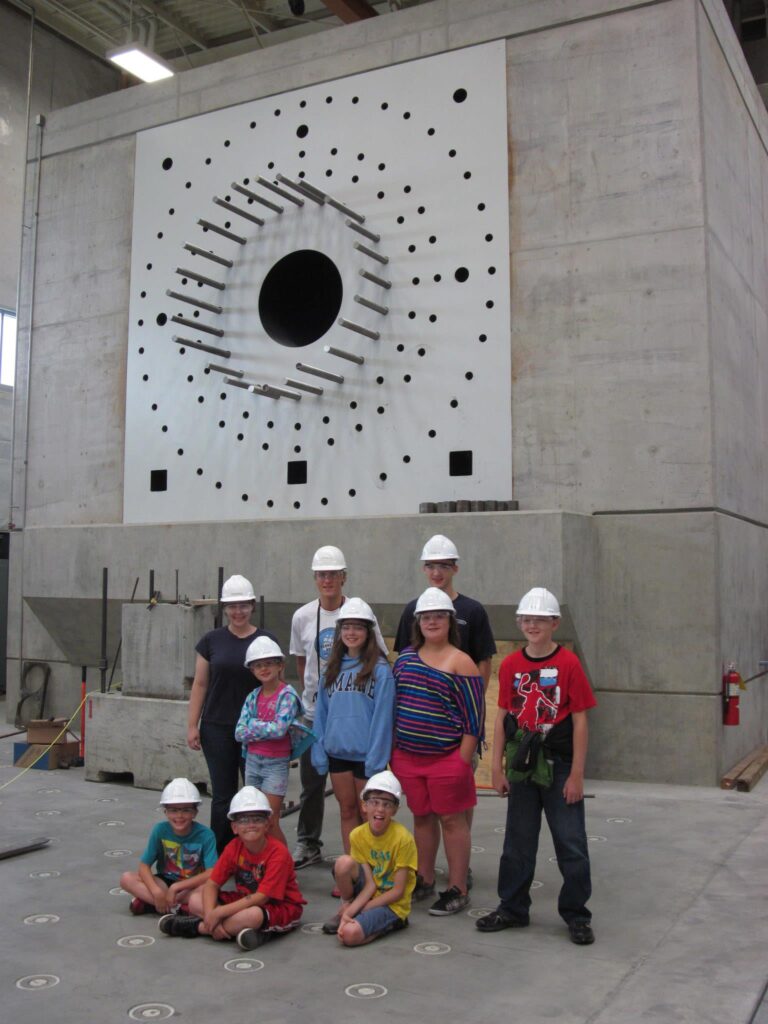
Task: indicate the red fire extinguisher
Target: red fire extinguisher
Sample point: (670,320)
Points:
(732,684)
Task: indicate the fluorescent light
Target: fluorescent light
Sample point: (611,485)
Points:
(140,62)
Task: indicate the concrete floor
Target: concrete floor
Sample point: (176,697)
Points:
(680,915)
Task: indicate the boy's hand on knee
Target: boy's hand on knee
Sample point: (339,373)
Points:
(573,790)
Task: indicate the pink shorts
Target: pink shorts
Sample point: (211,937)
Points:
(435,783)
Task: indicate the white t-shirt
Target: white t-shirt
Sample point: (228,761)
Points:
(304,634)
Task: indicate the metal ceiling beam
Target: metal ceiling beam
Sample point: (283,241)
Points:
(176,23)
(350,10)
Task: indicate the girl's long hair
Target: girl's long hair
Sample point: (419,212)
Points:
(369,656)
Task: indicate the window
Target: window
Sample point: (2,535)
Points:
(7,346)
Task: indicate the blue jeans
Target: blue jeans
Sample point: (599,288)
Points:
(521,841)
(224,757)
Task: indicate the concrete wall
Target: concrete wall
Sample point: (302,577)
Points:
(637,201)
(62,75)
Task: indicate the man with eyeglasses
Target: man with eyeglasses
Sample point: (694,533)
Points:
(440,563)
(312,632)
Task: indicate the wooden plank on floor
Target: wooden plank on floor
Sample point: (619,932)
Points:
(750,777)
(729,780)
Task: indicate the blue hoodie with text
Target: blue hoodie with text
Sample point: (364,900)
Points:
(355,724)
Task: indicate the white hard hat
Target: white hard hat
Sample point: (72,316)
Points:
(384,782)
(356,608)
(434,600)
(260,648)
(248,799)
(328,557)
(180,791)
(438,549)
(235,589)
(539,602)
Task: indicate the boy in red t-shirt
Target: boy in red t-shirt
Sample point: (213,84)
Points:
(266,900)
(543,689)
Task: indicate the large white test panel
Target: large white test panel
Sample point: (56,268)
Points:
(409,163)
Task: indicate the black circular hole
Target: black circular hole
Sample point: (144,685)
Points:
(467,175)
(406,114)
(143,295)
(190,378)
(412,315)
(353,405)
(489,238)
(406,189)
(491,270)
(382,167)
(380,410)
(421,351)
(481,206)
(145,376)
(432,433)
(326,419)
(277,112)
(297,504)
(329,99)
(460,95)
(401,219)
(469,375)
(379,195)
(182,351)
(323,501)
(179,451)
(355,179)
(300,298)
(454,403)
(384,106)
(303,104)
(432,317)
(159,234)
(430,131)
(361,156)
(355,99)
(164,428)
(270,503)
(483,337)
(411,248)
(401,347)
(244,497)
(226,142)
(438,278)
(334,151)
(421,209)
(188,184)
(358,427)
(382,476)
(352,492)
(167,164)
(414,280)
(451,153)
(140,323)
(246,414)
(223,396)
(201,399)
(329,173)
(297,426)
(265,447)
(302,154)
(240,437)
(379,380)
(407,378)
(489,304)
(302,131)
(297,448)
(270,424)
(149,266)
(218,485)
(252,124)
(154,407)
(199,471)
(461,274)
(141,350)
(432,239)
(406,458)
(222,423)
(207,159)
(331,441)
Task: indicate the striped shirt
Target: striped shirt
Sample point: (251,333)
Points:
(434,709)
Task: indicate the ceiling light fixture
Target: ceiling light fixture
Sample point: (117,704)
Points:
(140,62)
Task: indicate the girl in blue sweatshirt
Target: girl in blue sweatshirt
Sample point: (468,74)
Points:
(355,712)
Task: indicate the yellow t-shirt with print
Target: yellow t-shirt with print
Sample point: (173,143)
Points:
(385,855)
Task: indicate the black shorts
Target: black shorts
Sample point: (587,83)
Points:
(338,764)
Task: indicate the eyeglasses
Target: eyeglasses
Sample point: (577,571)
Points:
(352,624)
(239,606)
(534,620)
(181,810)
(267,662)
(329,575)
(432,616)
(377,802)
(429,566)
(251,819)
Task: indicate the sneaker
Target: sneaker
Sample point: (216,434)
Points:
(179,925)
(581,933)
(497,921)
(331,926)
(252,938)
(423,890)
(140,907)
(303,856)
(449,902)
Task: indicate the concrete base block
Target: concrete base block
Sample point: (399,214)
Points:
(141,735)
(159,648)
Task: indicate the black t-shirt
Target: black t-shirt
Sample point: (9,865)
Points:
(230,681)
(474,628)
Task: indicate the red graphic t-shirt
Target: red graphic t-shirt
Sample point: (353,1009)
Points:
(270,871)
(541,692)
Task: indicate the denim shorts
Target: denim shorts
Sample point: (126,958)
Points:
(379,920)
(269,774)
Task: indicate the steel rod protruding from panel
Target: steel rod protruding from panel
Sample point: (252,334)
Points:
(199,277)
(197,251)
(342,354)
(376,280)
(362,231)
(225,369)
(239,211)
(345,209)
(358,328)
(302,190)
(202,347)
(317,372)
(369,252)
(279,191)
(303,386)
(196,326)
(194,302)
(257,198)
(264,391)
(361,300)
(208,225)
(238,383)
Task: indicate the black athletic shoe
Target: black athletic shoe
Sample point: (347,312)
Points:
(252,938)
(179,925)
(497,922)
(581,933)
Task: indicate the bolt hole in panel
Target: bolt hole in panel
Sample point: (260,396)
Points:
(269,297)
